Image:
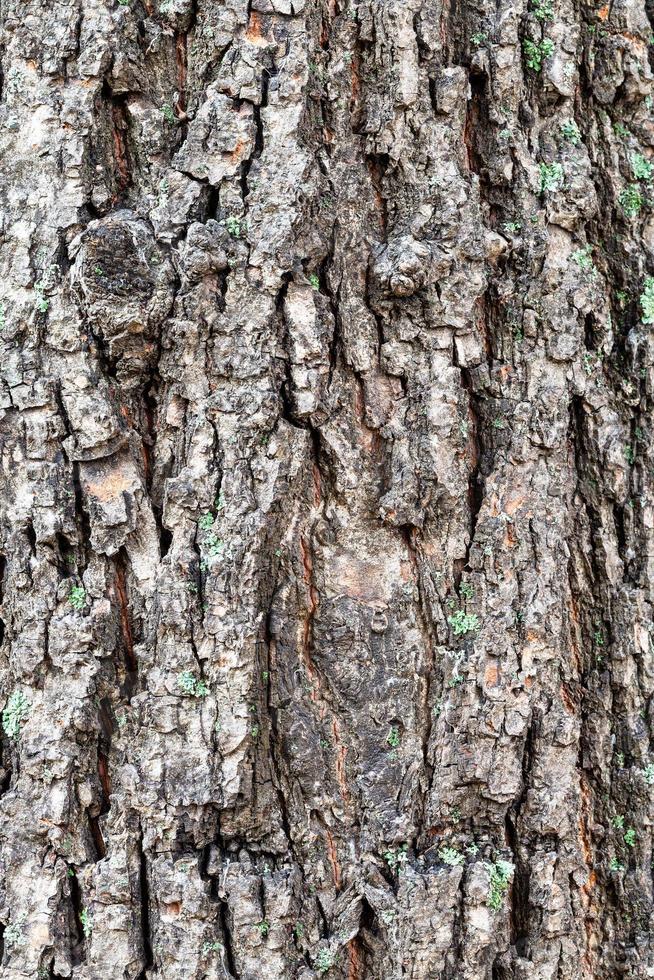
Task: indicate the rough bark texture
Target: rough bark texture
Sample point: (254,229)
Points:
(326,496)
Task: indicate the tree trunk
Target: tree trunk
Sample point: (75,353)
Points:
(327,519)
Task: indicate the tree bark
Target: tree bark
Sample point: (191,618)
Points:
(326,493)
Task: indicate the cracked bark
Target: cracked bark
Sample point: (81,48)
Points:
(302,369)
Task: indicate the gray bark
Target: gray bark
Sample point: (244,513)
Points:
(326,491)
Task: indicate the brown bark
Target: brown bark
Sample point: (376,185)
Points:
(325,503)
